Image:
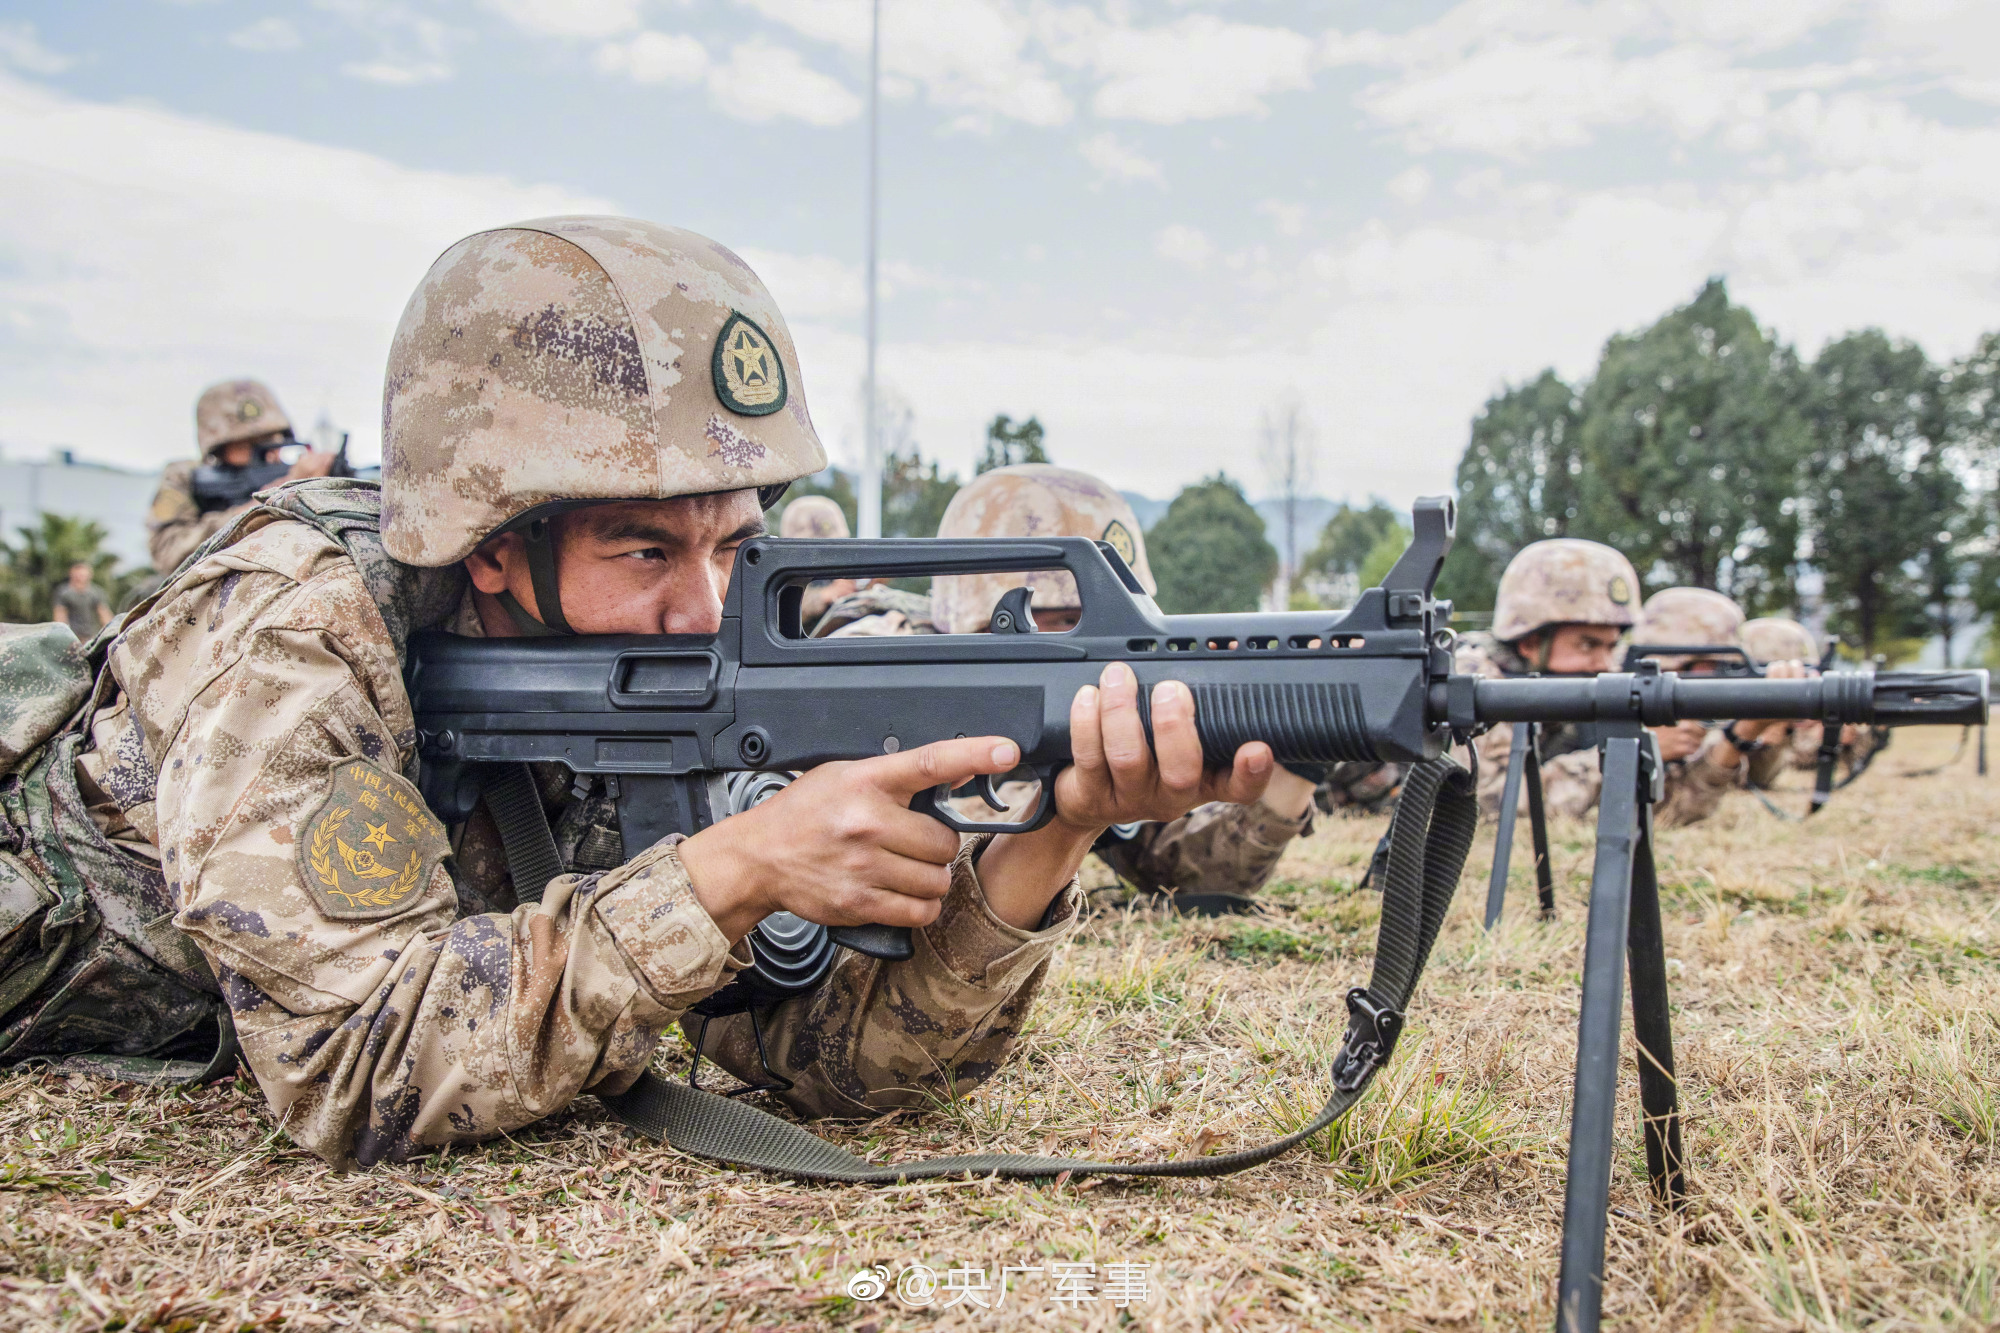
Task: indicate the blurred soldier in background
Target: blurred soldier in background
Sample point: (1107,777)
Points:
(80,603)
(817,516)
(1562,607)
(1772,640)
(1210,859)
(237,425)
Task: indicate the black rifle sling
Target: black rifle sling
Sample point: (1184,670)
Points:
(1429,838)
(514,799)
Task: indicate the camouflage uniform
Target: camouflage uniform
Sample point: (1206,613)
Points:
(875,611)
(1217,848)
(226,412)
(254,721)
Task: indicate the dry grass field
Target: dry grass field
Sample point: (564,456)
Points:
(1837,1001)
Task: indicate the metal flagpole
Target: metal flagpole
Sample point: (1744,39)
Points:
(870,507)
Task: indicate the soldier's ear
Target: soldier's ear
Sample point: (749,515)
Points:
(494,560)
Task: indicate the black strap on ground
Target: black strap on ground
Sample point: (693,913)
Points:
(1429,838)
(514,799)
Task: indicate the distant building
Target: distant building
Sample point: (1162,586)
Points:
(64,484)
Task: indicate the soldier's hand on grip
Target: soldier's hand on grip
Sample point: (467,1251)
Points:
(840,845)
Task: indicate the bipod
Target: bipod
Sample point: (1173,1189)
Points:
(1524,764)
(1624,917)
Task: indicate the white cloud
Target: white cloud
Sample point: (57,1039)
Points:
(967,55)
(20,48)
(1196,68)
(412,47)
(655,57)
(267,34)
(1410,184)
(150,254)
(398,73)
(764,82)
(1117,161)
(569,18)
(1184,245)
(1288,219)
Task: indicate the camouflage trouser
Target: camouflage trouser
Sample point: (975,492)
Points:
(93,973)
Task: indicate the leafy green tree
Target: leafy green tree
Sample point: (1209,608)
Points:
(1519,481)
(1208,550)
(1972,386)
(1009,442)
(31,568)
(1382,556)
(1691,444)
(1881,500)
(914,495)
(1332,571)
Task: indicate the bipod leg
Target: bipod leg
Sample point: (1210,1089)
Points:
(1982,749)
(1652,1026)
(1587,1191)
(1538,824)
(1503,840)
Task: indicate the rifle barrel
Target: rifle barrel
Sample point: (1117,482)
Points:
(1888,698)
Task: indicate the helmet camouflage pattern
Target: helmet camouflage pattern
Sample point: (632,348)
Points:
(236,410)
(1031,500)
(582,359)
(1564,581)
(1779,639)
(1688,616)
(813,516)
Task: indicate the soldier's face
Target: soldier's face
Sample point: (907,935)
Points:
(1056,619)
(1578,650)
(636,567)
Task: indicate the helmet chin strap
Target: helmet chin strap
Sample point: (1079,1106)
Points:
(548,597)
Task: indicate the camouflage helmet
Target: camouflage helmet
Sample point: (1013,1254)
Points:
(1564,581)
(1688,617)
(582,359)
(813,516)
(1779,639)
(1031,500)
(236,410)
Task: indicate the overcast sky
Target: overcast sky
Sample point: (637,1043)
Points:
(1141,221)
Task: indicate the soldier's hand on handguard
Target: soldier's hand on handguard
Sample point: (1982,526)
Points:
(1115,779)
(311,463)
(841,845)
(1679,740)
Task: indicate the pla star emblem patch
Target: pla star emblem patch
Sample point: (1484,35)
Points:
(749,376)
(1620,590)
(1119,538)
(371,846)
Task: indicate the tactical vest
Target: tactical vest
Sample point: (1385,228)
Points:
(94,975)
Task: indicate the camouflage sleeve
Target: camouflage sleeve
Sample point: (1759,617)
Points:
(882,1035)
(175,526)
(1694,789)
(1218,848)
(1764,767)
(379,1023)
(1572,782)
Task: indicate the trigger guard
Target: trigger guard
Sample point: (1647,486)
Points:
(933,801)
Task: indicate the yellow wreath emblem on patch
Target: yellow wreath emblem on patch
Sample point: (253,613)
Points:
(349,877)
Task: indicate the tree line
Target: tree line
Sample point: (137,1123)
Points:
(1712,453)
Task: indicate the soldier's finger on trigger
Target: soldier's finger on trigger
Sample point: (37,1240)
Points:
(941,762)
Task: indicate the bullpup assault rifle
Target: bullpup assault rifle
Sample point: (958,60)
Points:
(663,721)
